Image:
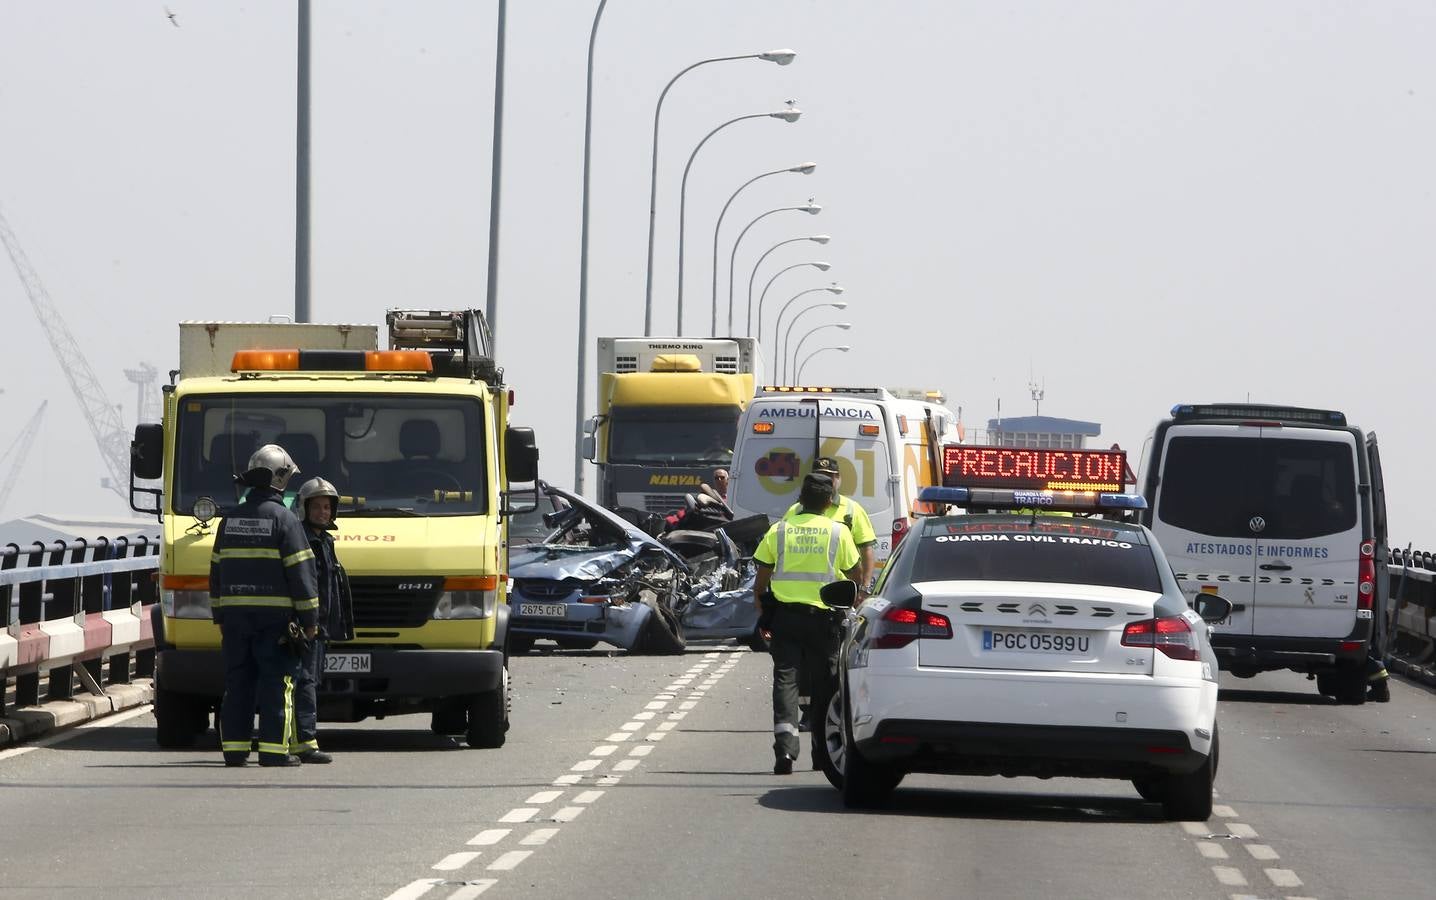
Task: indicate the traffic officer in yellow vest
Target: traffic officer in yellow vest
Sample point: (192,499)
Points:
(851,513)
(795,559)
(262,581)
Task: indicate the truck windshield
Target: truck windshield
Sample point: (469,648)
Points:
(673,435)
(400,455)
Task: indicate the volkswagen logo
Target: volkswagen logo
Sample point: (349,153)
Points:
(1257,524)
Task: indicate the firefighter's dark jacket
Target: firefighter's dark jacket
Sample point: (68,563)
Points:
(336,603)
(262,563)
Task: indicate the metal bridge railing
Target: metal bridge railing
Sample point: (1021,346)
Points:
(68,607)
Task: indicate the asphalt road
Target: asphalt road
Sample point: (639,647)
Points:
(634,777)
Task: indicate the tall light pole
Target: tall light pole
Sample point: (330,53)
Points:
(301,172)
(802,169)
(782,58)
(788,334)
(812,331)
(496,167)
(791,114)
(733,257)
(798,378)
(834,289)
(820,266)
(582,355)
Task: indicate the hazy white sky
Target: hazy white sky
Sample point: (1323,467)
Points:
(1145,203)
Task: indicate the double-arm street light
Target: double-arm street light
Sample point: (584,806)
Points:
(791,114)
(798,378)
(833,289)
(815,238)
(788,334)
(782,58)
(812,331)
(802,169)
(820,266)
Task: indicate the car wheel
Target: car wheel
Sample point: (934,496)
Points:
(865,785)
(519,644)
(831,744)
(1149,788)
(1187,797)
(489,716)
(177,719)
(662,633)
(757,643)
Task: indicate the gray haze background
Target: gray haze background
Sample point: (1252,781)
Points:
(1140,203)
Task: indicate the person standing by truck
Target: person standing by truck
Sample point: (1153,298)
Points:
(849,512)
(261,583)
(318,504)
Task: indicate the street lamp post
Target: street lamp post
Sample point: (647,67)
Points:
(810,208)
(732,259)
(843,325)
(788,334)
(782,58)
(802,169)
(778,325)
(582,356)
(798,378)
(820,266)
(791,114)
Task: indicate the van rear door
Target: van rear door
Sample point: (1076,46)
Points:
(1203,515)
(1306,493)
(1384,613)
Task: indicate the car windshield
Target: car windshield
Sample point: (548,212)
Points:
(1301,488)
(1048,550)
(673,435)
(388,455)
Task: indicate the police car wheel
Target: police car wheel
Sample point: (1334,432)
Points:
(865,785)
(1187,797)
(831,743)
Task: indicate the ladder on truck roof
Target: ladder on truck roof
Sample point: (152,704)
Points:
(458,340)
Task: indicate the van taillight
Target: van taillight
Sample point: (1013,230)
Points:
(900,527)
(1171,635)
(1366,576)
(899,627)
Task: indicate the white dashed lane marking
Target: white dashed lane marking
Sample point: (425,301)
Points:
(1261,851)
(598,756)
(1229,876)
(1241,831)
(1284,878)
(1212,850)
(1237,832)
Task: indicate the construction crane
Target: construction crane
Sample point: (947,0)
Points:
(13,459)
(101,415)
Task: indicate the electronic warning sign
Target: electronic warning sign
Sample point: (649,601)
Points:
(1034,468)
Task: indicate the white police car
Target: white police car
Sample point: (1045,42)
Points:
(1004,642)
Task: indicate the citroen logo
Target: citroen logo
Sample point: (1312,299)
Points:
(1037,609)
(1257,524)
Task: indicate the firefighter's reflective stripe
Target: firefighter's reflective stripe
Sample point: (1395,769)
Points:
(235,746)
(303,746)
(295,559)
(245,553)
(267,601)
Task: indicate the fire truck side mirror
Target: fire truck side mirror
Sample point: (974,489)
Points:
(521,454)
(147,451)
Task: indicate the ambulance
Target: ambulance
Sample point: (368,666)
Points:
(887,448)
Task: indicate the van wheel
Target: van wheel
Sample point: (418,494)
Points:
(177,718)
(1351,687)
(489,716)
(1188,797)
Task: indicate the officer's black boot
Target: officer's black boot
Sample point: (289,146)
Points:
(235,760)
(315,758)
(274,759)
(782,763)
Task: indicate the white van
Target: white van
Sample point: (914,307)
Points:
(887,448)
(1282,511)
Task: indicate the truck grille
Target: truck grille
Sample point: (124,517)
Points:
(546,589)
(402,602)
(663,504)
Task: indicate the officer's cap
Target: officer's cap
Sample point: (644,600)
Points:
(825,465)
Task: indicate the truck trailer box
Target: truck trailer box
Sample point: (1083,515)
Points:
(208,348)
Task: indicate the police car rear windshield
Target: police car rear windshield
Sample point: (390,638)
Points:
(1049,550)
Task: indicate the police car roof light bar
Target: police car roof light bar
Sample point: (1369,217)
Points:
(1192,412)
(1056,501)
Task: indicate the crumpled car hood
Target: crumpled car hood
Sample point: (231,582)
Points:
(536,561)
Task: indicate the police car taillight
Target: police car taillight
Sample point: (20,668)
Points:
(899,627)
(1366,576)
(1171,634)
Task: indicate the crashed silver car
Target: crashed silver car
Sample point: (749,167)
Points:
(598,577)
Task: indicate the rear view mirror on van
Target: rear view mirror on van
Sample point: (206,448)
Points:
(1212,608)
